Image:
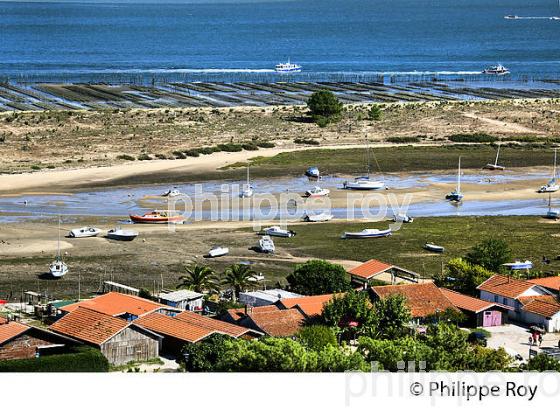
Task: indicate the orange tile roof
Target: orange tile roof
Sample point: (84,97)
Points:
(505,286)
(546,306)
(115,304)
(309,305)
(9,330)
(369,269)
(212,324)
(278,323)
(423,299)
(239,313)
(88,325)
(469,303)
(3,320)
(552,282)
(171,326)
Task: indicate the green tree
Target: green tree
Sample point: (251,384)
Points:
(317,337)
(393,315)
(490,254)
(395,355)
(542,363)
(324,106)
(462,276)
(350,314)
(207,355)
(238,277)
(375,113)
(317,277)
(198,279)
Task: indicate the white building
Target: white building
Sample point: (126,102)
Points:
(182,299)
(265,297)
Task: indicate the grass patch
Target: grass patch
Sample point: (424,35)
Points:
(478,137)
(306,141)
(404,140)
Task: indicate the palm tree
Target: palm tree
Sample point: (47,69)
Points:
(199,279)
(238,277)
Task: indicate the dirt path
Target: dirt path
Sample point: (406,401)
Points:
(501,125)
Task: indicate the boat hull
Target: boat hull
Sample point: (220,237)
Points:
(216,253)
(364,186)
(84,233)
(434,248)
(137,219)
(493,167)
(361,235)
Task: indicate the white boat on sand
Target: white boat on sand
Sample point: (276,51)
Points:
(247,190)
(367,233)
(552,185)
(58,268)
(218,251)
(266,244)
(432,247)
(321,217)
(119,234)
(495,166)
(402,217)
(312,172)
(278,231)
(364,183)
(84,232)
(456,195)
(317,191)
(172,193)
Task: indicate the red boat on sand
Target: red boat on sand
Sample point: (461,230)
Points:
(157,217)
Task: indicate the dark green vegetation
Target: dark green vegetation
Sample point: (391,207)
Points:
(462,276)
(490,254)
(317,277)
(83,359)
(324,107)
(527,238)
(401,159)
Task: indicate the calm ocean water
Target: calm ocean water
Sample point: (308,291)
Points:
(102,41)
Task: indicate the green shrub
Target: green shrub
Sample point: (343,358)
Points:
(179,155)
(265,144)
(403,140)
(249,147)
(35,167)
(324,106)
(192,153)
(126,157)
(82,359)
(230,147)
(306,141)
(208,150)
(478,137)
(144,157)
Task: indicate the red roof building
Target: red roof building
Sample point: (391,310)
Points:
(377,270)
(117,304)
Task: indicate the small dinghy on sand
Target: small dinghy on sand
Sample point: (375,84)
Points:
(84,232)
(157,217)
(119,234)
(58,268)
(322,217)
(172,193)
(266,245)
(218,251)
(404,218)
(367,233)
(277,231)
(317,191)
(432,247)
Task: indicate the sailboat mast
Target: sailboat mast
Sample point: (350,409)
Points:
(498,153)
(459,176)
(368,158)
(554,168)
(247,175)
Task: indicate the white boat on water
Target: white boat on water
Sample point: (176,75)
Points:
(171,193)
(317,191)
(519,265)
(511,17)
(217,251)
(367,233)
(84,232)
(58,268)
(402,217)
(496,70)
(433,247)
(364,183)
(552,185)
(247,190)
(321,217)
(288,67)
(266,244)
(119,234)
(495,166)
(456,195)
(278,231)
(312,172)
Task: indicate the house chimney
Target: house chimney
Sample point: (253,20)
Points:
(248,309)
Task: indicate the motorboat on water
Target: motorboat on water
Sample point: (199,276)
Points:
(312,172)
(266,244)
(247,190)
(402,217)
(58,268)
(157,217)
(278,231)
(172,193)
(84,232)
(511,17)
(432,247)
(119,234)
(218,251)
(321,217)
(496,70)
(519,265)
(367,233)
(287,67)
(317,191)
(456,195)
(495,166)
(552,184)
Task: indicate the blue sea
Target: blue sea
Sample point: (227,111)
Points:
(93,41)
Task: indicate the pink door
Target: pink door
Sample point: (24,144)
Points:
(492,318)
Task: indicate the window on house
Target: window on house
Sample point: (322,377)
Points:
(496,298)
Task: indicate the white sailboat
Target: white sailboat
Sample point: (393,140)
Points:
(552,185)
(457,195)
(495,166)
(58,268)
(364,183)
(552,213)
(247,191)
